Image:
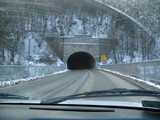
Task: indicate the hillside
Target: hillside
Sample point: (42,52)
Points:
(147,12)
(24,25)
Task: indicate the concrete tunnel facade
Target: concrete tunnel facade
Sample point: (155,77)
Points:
(80,51)
(81,60)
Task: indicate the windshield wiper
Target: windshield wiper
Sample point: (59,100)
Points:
(106,93)
(11,96)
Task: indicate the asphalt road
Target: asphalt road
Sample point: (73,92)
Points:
(70,82)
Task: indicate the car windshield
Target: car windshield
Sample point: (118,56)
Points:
(101,50)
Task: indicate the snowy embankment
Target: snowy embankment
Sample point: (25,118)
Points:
(133,78)
(13,82)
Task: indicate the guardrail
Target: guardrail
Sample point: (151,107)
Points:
(14,72)
(148,70)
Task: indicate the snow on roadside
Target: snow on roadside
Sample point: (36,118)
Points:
(13,82)
(134,78)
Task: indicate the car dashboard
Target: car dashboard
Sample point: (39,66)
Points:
(74,112)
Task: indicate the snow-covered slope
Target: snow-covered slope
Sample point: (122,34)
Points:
(28,24)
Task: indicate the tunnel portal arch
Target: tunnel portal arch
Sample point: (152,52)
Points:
(81,60)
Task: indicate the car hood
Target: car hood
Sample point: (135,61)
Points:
(80,102)
(19,101)
(107,103)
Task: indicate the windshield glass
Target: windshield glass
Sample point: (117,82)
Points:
(56,48)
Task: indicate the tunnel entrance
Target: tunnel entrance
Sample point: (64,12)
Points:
(81,60)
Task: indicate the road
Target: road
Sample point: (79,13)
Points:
(70,82)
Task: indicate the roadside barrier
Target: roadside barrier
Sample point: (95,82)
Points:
(13,72)
(148,70)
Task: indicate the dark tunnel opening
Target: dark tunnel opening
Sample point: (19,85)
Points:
(81,60)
